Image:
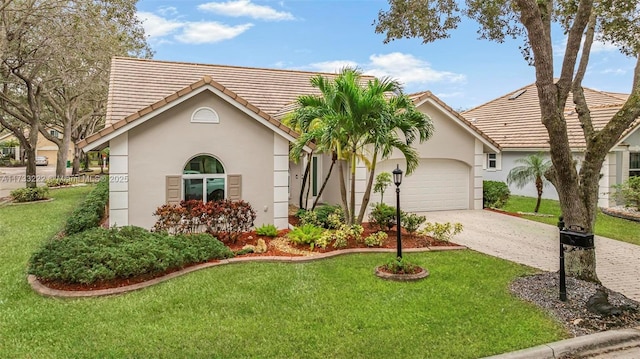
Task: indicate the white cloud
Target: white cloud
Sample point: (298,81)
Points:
(597,46)
(156,26)
(210,32)
(204,32)
(409,69)
(331,66)
(406,68)
(613,72)
(168,10)
(240,8)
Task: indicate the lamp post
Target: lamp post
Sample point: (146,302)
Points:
(397,179)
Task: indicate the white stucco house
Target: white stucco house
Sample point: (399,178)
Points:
(513,122)
(194,131)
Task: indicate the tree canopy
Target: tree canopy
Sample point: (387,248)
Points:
(535,21)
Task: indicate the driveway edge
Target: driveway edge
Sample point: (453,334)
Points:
(592,344)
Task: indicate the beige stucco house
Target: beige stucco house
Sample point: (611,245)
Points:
(191,131)
(44,147)
(513,121)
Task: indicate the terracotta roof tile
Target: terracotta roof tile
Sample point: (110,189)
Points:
(516,124)
(137,83)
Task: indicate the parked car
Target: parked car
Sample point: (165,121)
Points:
(42,161)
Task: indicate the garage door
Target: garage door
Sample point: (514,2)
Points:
(434,186)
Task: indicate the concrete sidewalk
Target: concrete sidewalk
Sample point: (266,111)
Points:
(536,245)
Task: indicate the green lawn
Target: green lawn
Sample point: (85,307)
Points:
(607,226)
(334,308)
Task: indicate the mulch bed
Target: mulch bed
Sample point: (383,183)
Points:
(251,238)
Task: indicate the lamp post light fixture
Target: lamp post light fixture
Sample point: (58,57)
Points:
(397,180)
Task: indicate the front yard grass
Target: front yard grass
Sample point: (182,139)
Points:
(333,308)
(606,226)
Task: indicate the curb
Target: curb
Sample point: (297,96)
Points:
(43,290)
(585,345)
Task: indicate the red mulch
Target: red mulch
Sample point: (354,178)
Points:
(503,212)
(408,241)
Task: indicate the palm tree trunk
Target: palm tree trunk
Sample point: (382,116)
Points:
(539,185)
(304,181)
(367,193)
(343,193)
(334,157)
(352,195)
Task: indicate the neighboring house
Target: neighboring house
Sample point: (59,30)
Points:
(44,147)
(189,131)
(513,121)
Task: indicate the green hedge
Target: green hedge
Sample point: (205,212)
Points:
(101,254)
(91,211)
(495,194)
(29,194)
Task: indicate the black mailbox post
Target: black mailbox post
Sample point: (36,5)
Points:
(579,240)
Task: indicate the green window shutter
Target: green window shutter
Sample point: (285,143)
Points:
(234,186)
(173,189)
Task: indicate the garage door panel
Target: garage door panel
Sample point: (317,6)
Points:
(434,185)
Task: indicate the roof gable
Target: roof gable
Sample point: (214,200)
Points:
(426,96)
(514,120)
(206,83)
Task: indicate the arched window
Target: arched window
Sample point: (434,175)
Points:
(205,115)
(204,179)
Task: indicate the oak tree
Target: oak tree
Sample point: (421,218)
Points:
(535,21)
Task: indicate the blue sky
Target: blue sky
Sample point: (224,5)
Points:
(326,35)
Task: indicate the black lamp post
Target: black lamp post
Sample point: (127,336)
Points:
(397,179)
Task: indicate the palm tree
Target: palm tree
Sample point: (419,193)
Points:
(533,168)
(400,118)
(352,121)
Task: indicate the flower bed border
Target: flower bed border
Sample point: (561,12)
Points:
(43,290)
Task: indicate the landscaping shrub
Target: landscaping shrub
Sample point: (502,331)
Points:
(326,216)
(57,182)
(376,239)
(495,194)
(629,192)
(383,216)
(100,254)
(306,234)
(441,231)
(224,219)
(411,221)
(91,211)
(268,230)
(29,194)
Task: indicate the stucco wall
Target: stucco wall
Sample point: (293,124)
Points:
(163,145)
(508,161)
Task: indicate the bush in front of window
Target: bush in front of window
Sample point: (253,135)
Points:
(495,194)
(225,219)
(101,254)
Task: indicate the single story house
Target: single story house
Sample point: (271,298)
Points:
(513,121)
(44,147)
(193,131)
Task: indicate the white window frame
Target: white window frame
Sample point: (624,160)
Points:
(633,169)
(204,178)
(497,162)
(54,133)
(208,119)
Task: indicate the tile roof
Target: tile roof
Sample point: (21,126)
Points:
(420,97)
(516,124)
(136,83)
(205,81)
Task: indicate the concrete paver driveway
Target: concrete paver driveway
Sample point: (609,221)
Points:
(537,245)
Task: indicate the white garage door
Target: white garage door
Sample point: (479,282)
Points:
(434,186)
